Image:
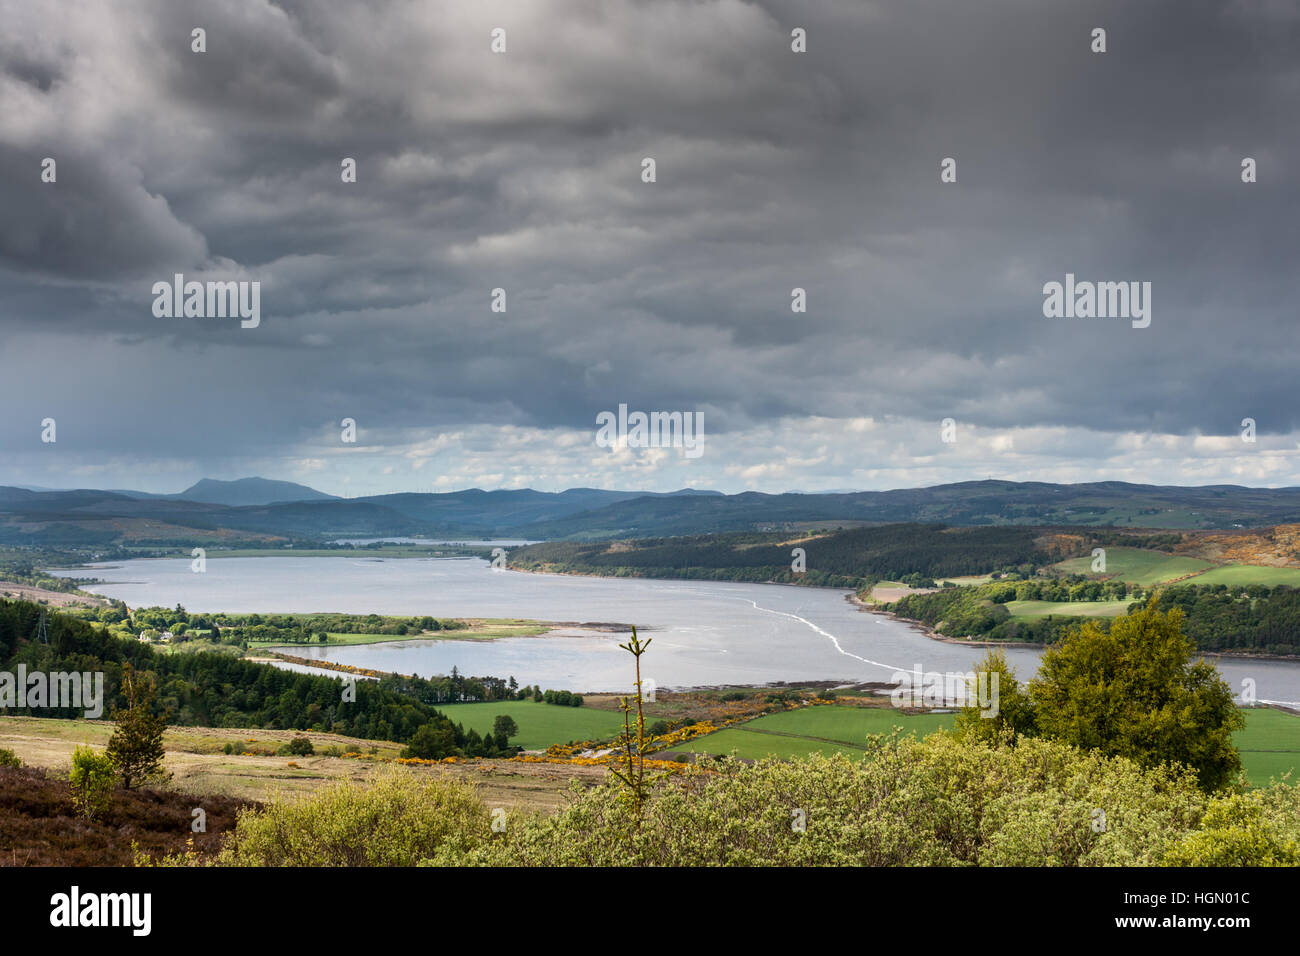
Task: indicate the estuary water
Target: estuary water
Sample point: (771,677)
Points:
(703,632)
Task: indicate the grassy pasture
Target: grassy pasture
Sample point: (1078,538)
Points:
(194,756)
(540,725)
(1235,574)
(822,729)
(1137,566)
(1068,608)
(1269,744)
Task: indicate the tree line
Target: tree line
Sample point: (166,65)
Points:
(215,690)
(1217,617)
(240,630)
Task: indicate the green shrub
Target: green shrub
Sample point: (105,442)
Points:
(9,759)
(1259,828)
(399,820)
(937,802)
(1138,690)
(432,741)
(136,747)
(297,747)
(942,801)
(92,779)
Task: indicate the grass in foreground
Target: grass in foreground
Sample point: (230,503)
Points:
(196,760)
(58,731)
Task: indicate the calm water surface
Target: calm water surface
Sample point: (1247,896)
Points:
(704,632)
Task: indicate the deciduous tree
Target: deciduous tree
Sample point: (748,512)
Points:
(1135,692)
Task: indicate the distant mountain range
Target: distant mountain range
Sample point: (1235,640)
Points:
(254,508)
(242,491)
(251,491)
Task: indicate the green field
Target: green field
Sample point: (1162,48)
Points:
(1232,574)
(1068,608)
(1146,568)
(540,725)
(1269,744)
(1137,566)
(822,729)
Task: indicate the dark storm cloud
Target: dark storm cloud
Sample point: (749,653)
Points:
(521,171)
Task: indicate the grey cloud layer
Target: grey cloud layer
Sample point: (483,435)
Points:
(522,171)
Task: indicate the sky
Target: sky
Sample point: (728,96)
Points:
(523,171)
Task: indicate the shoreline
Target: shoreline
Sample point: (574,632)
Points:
(655,577)
(930,632)
(874,687)
(850,595)
(548,629)
(961,642)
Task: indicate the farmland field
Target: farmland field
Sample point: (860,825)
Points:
(1137,566)
(1233,574)
(822,729)
(1269,744)
(1068,608)
(540,725)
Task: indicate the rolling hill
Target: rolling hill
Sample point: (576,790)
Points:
(250,491)
(259,507)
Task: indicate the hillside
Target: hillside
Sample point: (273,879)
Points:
(250,491)
(1100,504)
(90,518)
(841,558)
